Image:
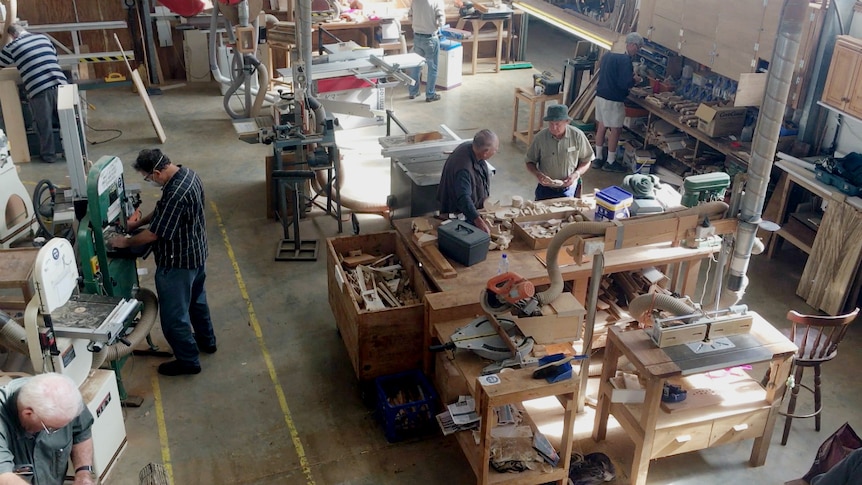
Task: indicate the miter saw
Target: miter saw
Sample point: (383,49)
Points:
(509,292)
(492,338)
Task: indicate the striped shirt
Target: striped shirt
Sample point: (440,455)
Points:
(36,59)
(178,221)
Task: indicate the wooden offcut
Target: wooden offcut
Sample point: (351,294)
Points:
(834,259)
(142,92)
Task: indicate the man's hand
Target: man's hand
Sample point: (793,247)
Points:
(84,478)
(481,224)
(571,179)
(118,242)
(549,182)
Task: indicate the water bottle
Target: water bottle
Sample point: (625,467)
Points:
(504,264)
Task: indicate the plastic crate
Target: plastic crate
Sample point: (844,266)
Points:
(612,203)
(407,403)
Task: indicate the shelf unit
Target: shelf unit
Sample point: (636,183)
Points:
(660,60)
(515,387)
(658,433)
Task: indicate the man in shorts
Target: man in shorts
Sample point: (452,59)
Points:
(616,77)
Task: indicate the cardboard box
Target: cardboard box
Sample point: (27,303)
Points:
(720,121)
(521,223)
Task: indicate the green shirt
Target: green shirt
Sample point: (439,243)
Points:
(559,158)
(48,454)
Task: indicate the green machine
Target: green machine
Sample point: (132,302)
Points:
(707,187)
(113,272)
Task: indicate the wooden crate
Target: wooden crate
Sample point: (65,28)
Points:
(379,342)
(520,223)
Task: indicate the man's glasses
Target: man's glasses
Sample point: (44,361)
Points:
(48,430)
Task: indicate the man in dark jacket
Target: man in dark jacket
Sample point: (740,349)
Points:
(616,77)
(466,181)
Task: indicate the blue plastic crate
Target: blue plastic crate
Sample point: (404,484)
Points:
(407,403)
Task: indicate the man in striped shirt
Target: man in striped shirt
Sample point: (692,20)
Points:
(36,59)
(177,229)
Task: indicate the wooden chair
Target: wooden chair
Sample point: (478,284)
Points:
(818,338)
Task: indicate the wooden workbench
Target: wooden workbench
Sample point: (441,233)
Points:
(523,261)
(658,433)
(515,386)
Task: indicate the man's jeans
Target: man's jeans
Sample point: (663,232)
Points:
(429,48)
(183,308)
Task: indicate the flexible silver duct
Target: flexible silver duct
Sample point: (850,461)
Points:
(765,139)
(640,306)
(12,335)
(303,40)
(711,210)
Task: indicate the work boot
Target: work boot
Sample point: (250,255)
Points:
(178,368)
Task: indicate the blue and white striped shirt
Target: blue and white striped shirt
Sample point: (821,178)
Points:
(36,59)
(178,221)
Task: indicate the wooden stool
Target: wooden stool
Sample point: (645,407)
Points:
(476,26)
(535,123)
(15,268)
(817,338)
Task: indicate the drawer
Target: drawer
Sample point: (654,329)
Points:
(739,427)
(681,439)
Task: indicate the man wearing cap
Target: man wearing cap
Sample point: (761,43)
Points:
(558,156)
(616,77)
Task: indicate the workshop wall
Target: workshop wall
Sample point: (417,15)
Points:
(66,12)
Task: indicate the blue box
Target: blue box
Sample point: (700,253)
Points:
(407,403)
(612,203)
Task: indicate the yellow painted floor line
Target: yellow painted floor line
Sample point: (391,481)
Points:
(163,429)
(279,391)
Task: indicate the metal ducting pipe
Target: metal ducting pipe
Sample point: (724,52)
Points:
(765,139)
(303,40)
(13,335)
(642,305)
(711,210)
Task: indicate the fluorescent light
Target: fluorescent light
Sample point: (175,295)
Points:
(564,25)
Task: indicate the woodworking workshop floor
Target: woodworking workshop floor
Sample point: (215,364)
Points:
(279,402)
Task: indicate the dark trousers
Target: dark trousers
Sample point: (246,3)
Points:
(43,106)
(183,309)
(545,193)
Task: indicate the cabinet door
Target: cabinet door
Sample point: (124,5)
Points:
(845,62)
(854,103)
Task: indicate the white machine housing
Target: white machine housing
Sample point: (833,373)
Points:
(55,277)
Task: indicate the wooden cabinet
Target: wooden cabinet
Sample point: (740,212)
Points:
(514,387)
(745,410)
(843,89)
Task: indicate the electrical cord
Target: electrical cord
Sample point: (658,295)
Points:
(118,132)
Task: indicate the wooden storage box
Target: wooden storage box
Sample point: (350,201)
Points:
(379,342)
(521,223)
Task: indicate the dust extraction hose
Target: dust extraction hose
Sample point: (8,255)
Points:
(118,350)
(641,305)
(711,210)
(12,335)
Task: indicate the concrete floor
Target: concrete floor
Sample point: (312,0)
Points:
(279,402)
